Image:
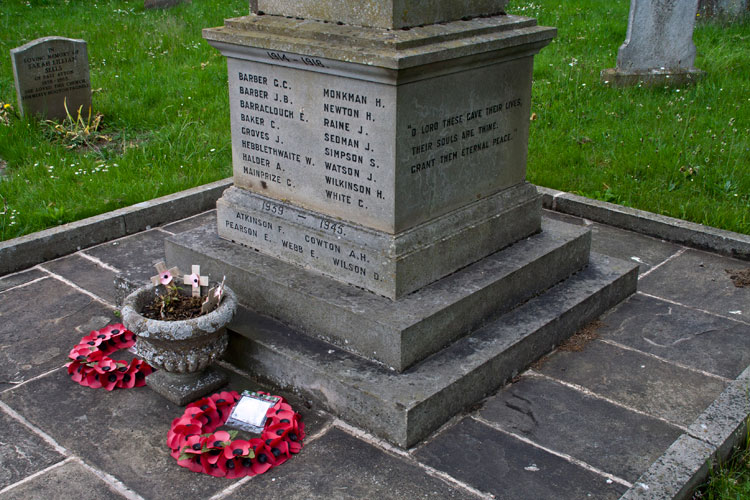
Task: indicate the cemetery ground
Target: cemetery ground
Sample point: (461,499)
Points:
(646,397)
(161,89)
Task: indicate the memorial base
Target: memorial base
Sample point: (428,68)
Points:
(392,265)
(469,357)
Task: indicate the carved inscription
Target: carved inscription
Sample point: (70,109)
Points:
(304,238)
(448,139)
(384,156)
(310,138)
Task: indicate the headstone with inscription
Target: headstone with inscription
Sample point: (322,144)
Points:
(659,46)
(380,209)
(50,74)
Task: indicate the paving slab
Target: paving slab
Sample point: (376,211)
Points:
(627,245)
(69,481)
(22,453)
(39,324)
(700,280)
(636,380)
(668,228)
(122,432)
(499,464)
(133,255)
(622,244)
(339,466)
(86,274)
(681,334)
(17,279)
(191,222)
(609,437)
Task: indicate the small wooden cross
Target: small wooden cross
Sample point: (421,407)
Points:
(165,275)
(213,298)
(196,280)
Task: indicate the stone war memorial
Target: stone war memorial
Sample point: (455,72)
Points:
(393,261)
(658,47)
(50,73)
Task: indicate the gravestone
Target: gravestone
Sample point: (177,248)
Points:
(728,10)
(380,212)
(50,73)
(659,46)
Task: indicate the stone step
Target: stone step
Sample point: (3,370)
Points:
(398,333)
(404,408)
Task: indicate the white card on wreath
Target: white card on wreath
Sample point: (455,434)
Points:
(249,414)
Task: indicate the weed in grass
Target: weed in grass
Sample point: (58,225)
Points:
(7,112)
(8,217)
(76,133)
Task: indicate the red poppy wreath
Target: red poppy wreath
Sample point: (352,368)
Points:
(92,366)
(197,445)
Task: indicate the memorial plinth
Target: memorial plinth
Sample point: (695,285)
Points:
(361,153)
(380,230)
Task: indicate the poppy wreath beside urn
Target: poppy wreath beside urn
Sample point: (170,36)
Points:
(197,444)
(181,350)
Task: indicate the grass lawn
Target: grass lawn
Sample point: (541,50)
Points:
(162,91)
(681,152)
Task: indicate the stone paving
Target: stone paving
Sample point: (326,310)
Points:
(586,421)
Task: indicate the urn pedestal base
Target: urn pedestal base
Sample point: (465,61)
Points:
(183,388)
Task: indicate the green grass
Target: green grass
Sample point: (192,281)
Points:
(162,90)
(681,152)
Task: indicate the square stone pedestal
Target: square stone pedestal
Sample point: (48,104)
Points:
(383,159)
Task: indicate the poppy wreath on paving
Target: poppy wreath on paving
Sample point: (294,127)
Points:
(197,445)
(92,366)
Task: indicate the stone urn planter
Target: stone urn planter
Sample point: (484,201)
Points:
(182,351)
